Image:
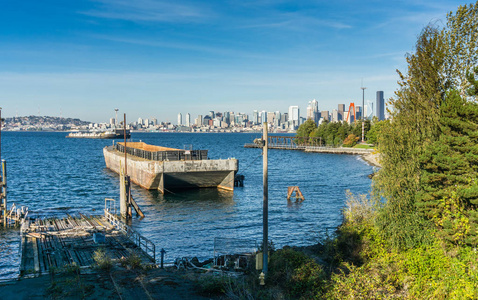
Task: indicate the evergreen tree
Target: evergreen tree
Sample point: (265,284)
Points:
(401,142)
(449,189)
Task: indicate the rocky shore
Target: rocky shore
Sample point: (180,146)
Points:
(372,158)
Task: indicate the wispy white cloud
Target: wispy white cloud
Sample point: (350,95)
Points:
(149,10)
(215,50)
(296,21)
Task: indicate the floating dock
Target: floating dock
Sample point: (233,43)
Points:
(55,243)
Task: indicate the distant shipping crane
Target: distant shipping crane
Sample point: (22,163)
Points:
(352,106)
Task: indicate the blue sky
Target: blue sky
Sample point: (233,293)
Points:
(154,58)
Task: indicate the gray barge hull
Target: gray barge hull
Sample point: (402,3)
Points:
(174,175)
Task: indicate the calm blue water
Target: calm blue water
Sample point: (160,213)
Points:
(52,175)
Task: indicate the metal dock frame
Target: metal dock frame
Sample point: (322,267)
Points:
(143,243)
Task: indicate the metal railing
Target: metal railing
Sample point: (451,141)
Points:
(339,149)
(164,155)
(143,243)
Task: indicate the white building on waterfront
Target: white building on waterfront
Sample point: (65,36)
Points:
(294,117)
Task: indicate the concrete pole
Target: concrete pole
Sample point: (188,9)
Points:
(126,211)
(124,131)
(123,201)
(3,196)
(4,191)
(265,208)
(363,114)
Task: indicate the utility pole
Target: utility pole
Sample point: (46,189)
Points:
(125,189)
(3,194)
(265,207)
(363,113)
(263,143)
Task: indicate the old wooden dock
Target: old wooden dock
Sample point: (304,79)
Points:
(55,243)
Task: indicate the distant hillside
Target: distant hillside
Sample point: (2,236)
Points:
(42,123)
(44,120)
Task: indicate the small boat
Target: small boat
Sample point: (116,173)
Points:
(169,169)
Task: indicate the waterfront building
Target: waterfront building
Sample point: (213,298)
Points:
(270,117)
(358,112)
(154,121)
(284,118)
(294,117)
(380,106)
(206,119)
(180,119)
(335,115)
(263,117)
(199,121)
(255,117)
(227,118)
(140,121)
(313,111)
(340,114)
(188,120)
(348,120)
(277,119)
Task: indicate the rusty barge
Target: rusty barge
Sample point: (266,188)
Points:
(169,169)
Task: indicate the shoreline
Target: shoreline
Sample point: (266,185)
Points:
(372,159)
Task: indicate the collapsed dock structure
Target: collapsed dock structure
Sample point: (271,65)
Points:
(57,243)
(165,169)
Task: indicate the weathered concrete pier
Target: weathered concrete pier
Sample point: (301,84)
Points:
(166,169)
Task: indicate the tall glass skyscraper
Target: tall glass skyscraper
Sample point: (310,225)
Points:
(380,106)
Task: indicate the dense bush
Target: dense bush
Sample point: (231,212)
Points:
(296,274)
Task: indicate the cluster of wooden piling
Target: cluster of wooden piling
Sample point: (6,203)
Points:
(56,243)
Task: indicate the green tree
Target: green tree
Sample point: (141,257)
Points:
(375,129)
(449,186)
(306,128)
(462,43)
(415,125)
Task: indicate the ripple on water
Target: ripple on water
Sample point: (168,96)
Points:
(53,175)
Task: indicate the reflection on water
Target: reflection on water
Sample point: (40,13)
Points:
(204,196)
(53,175)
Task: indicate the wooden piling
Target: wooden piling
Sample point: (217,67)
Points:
(298,193)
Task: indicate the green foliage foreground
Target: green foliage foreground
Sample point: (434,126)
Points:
(359,263)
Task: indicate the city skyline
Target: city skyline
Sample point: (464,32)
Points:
(83,58)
